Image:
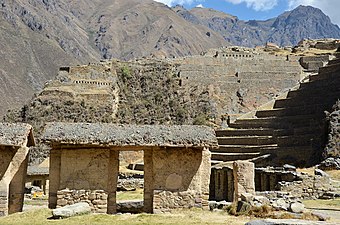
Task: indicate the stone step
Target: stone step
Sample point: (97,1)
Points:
(334,62)
(307,93)
(291,111)
(300,101)
(330,68)
(304,156)
(325,75)
(298,131)
(276,122)
(243,148)
(244,132)
(298,140)
(225,157)
(320,84)
(249,140)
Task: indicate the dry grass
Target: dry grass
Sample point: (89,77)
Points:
(130,195)
(194,216)
(323,204)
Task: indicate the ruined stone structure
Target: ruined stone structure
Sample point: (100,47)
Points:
(240,79)
(15,140)
(94,83)
(244,181)
(84,164)
(273,183)
(293,131)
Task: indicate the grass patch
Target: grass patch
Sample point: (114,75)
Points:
(323,204)
(130,195)
(194,216)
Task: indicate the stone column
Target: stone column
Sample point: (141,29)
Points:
(205,176)
(112,181)
(55,163)
(3,199)
(17,189)
(244,178)
(230,185)
(148,181)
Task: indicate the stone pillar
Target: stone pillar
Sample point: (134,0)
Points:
(148,181)
(55,163)
(230,185)
(3,199)
(205,172)
(244,178)
(17,189)
(112,181)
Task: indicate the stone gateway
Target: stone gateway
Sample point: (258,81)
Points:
(84,164)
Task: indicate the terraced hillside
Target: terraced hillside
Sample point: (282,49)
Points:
(294,131)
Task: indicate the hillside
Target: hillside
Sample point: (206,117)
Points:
(286,30)
(38,37)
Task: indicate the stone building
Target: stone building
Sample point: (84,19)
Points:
(15,140)
(84,164)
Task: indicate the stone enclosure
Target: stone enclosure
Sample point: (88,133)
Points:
(84,164)
(15,140)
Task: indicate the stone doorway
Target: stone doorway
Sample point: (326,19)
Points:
(130,189)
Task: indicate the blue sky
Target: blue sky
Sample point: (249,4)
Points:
(261,9)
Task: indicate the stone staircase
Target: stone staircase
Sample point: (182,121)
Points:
(293,131)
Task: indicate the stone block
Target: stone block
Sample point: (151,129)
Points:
(244,178)
(71,210)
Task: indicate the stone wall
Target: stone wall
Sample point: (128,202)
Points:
(97,199)
(87,172)
(167,200)
(183,184)
(239,82)
(84,174)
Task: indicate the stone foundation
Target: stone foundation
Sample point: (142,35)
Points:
(167,200)
(97,199)
(310,187)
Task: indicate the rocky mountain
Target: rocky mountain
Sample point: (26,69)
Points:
(37,37)
(286,30)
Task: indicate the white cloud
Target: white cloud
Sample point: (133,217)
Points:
(258,5)
(199,6)
(329,7)
(174,2)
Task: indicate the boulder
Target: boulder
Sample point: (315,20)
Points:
(247,197)
(288,167)
(71,210)
(320,173)
(297,207)
(131,206)
(243,207)
(321,216)
(330,164)
(280,204)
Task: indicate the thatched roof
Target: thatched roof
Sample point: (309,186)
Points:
(104,134)
(16,134)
